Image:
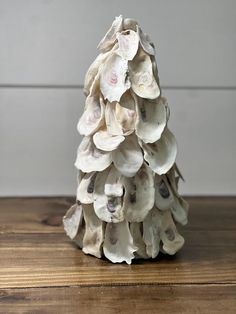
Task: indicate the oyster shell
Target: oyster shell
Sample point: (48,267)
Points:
(152,119)
(128,158)
(161,155)
(171,239)
(118,243)
(130,24)
(151,233)
(113,77)
(141,76)
(109,39)
(114,184)
(136,233)
(72,220)
(86,187)
(107,142)
(128,42)
(164,197)
(179,210)
(121,117)
(139,194)
(89,158)
(108,208)
(93,71)
(94,232)
(93,117)
(145,42)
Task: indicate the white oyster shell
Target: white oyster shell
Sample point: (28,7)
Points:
(94,232)
(107,142)
(161,155)
(141,76)
(107,208)
(151,233)
(118,243)
(113,77)
(136,233)
(93,117)
(128,158)
(121,117)
(128,42)
(146,42)
(89,158)
(86,187)
(72,220)
(93,71)
(139,194)
(130,24)
(171,239)
(179,210)
(109,39)
(114,184)
(164,197)
(152,119)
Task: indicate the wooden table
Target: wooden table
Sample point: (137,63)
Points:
(41,271)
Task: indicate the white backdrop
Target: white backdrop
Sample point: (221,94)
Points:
(46,47)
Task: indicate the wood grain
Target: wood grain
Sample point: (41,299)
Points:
(130,299)
(43,272)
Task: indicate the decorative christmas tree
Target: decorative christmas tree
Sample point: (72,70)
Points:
(127,197)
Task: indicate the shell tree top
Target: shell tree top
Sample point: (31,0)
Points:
(127,198)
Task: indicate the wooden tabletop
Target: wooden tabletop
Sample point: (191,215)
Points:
(41,270)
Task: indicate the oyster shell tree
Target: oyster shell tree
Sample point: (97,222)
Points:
(128,203)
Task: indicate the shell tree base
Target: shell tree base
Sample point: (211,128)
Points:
(128,203)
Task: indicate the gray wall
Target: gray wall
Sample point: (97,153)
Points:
(46,47)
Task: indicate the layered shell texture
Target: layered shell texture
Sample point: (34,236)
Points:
(128,203)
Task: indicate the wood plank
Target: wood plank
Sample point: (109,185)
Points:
(43,215)
(51,260)
(43,136)
(37,215)
(208,256)
(53,42)
(127,299)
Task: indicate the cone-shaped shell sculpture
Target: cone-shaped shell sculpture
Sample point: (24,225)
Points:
(127,202)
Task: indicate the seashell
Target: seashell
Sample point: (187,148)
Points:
(72,220)
(121,117)
(155,72)
(113,77)
(128,42)
(139,194)
(145,42)
(118,243)
(129,24)
(89,158)
(86,188)
(164,197)
(141,76)
(128,157)
(94,232)
(93,71)
(114,185)
(151,233)
(171,239)
(151,120)
(109,39)
(136,233)
(179,210)
(107,208)
(93,117)
(161,155)
(107,142)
